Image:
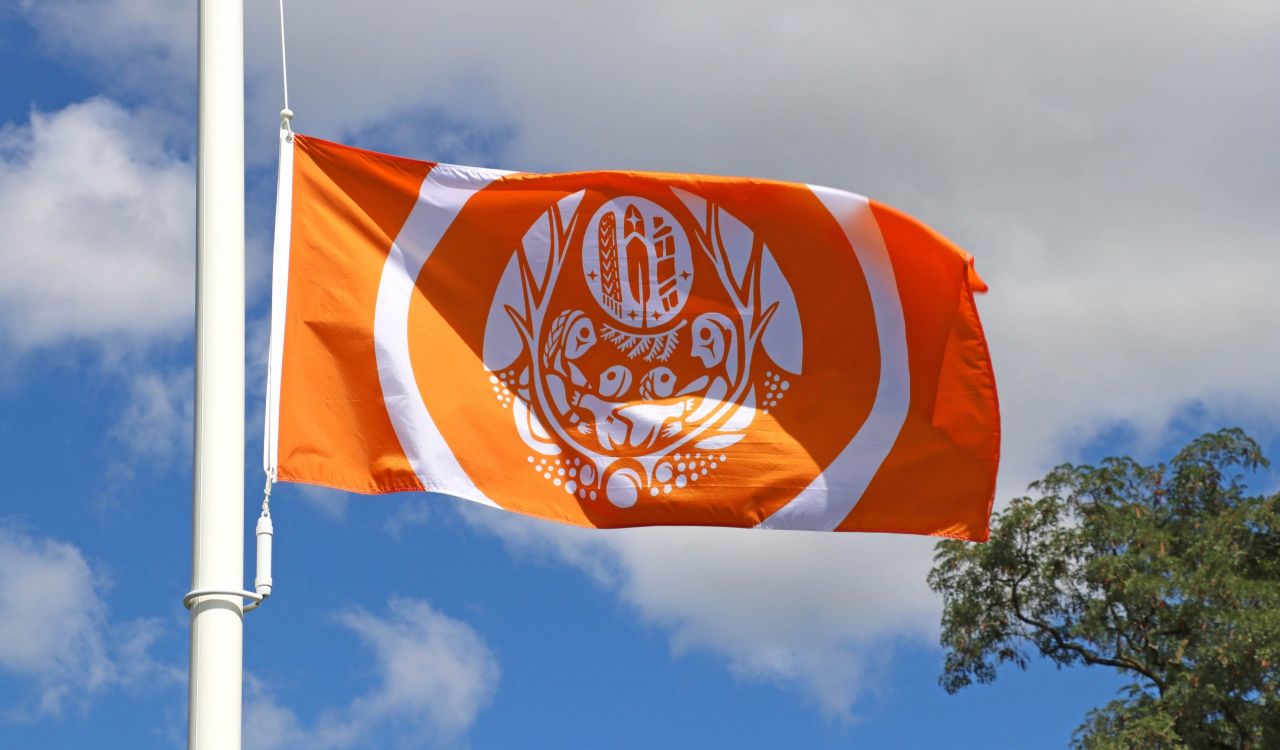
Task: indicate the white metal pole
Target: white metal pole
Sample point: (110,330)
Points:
(214,688)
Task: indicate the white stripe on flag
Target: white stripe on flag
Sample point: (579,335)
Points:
(832,495)
(444,192)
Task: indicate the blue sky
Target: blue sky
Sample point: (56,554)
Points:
(1112,167)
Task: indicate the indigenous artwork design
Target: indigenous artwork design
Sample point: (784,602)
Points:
(620,388)
(612,349)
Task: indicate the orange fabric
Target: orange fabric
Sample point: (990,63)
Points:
(335,429)
(348,205)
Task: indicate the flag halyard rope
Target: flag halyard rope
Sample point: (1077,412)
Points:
(286,114)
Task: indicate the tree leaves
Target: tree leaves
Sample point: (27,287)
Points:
(1169,574)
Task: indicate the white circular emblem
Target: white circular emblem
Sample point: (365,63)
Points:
(625,412)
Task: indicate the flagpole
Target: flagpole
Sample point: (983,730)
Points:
(214,687)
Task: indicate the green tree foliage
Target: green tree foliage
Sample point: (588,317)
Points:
(1169,574)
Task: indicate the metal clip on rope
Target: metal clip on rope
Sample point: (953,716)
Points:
(286,124)
(262,581)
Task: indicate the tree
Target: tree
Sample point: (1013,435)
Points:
(1169,574)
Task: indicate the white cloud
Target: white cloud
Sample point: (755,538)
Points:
(434,675)
(132,45)
(51,618)
(153,430)
(433,668)
(412,511)
(54,629)
(805,610)
(332,504)
(157,420)
(96,228)
(408,511)
(268,724)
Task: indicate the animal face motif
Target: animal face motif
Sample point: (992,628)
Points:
(615,381)
(713,340)
(660,382)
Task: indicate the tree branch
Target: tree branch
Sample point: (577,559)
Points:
(1089,656)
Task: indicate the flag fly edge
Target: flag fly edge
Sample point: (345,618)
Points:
(279,300)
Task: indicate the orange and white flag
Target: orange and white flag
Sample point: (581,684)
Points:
(626,349)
